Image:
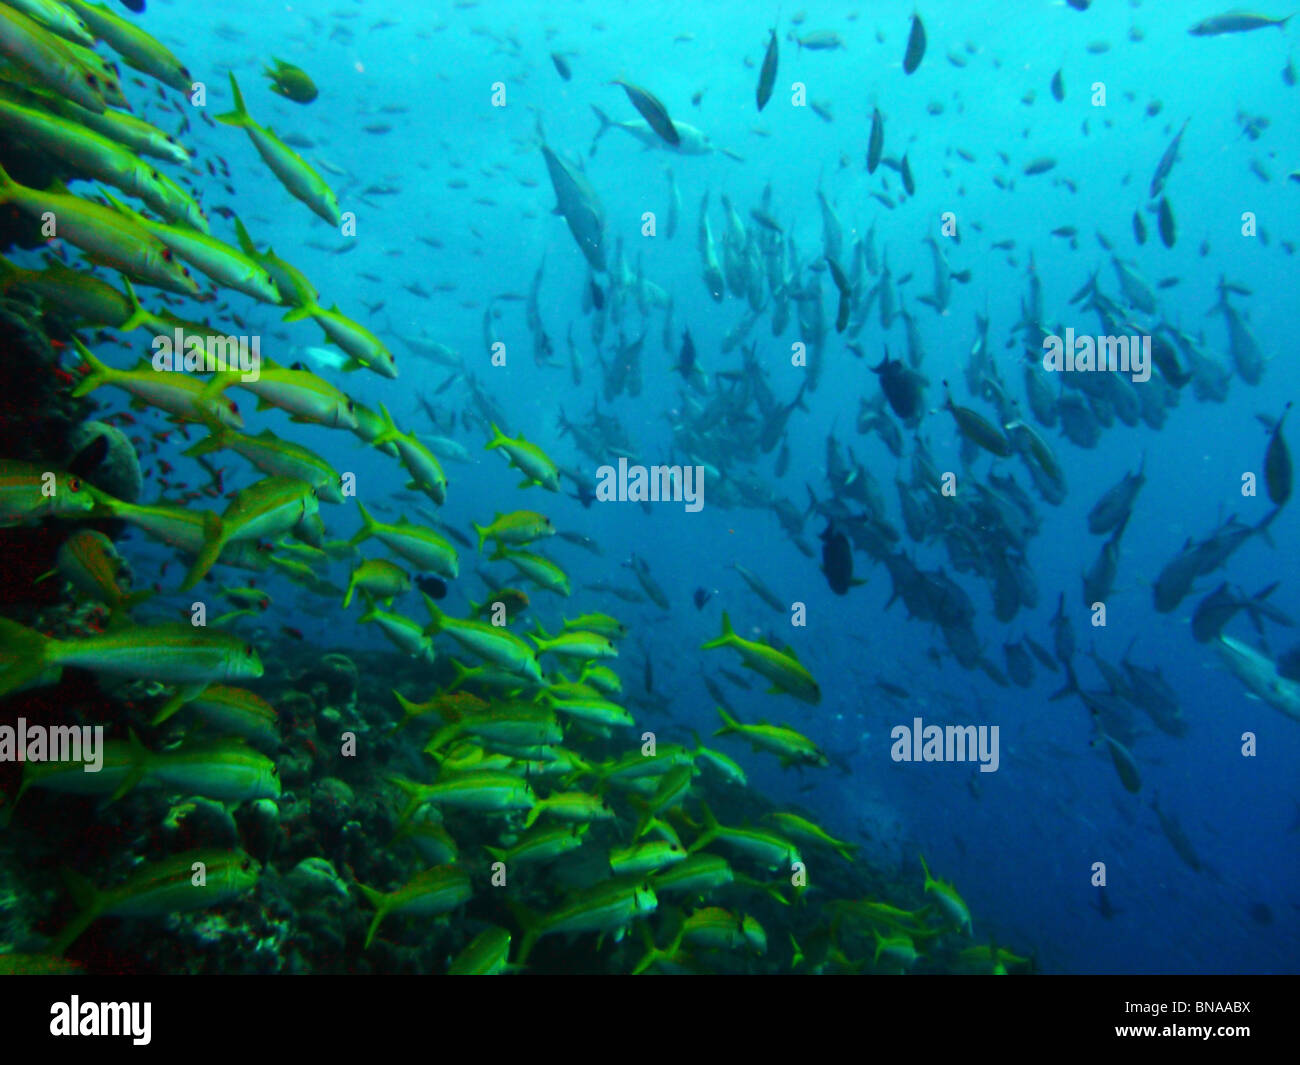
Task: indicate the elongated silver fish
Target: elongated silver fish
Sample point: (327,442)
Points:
(1236,22)
(577,201)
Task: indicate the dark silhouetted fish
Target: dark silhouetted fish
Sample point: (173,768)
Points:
(877,142)
(1165,217)
(1277,461)
(1062,633)
(837,560)
(686,360)
(915,46)
(1237,22)
(767,76)
(1040,652)
(1167,162)
(1139,228)
(1020,665)
(901,386)
(652,111)
(432,586)
(1174,833)
(1222,605)
(1114,506)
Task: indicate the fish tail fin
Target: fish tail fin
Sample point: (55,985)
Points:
(88,900)
(711,829)
(245,241)
(729,724)
(372,611)
(138,316)
(367,526)
(299,313)
(24,653)
(482,535)
(140,757)
(436,617)
(214,541)
(1070,686)
(1265,522)
(376,899)
(531,923)
(462,673)
(389,432)
(99,373)
(239,116)
(410,710)
(7,186)
(605,123)
(216,440)
(723,640)
(1264,593)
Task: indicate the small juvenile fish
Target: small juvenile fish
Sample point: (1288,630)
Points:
(291,82)
(1167,162)
(820,41)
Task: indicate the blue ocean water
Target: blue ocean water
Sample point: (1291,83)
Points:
(470,224)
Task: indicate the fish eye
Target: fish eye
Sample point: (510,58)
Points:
(167,254)
(349,405)
(247,863)
(74,484)
(248,650)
